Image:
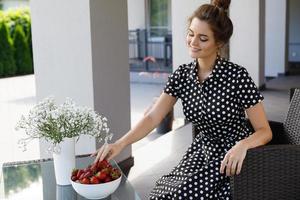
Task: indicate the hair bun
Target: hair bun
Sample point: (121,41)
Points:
(222,4)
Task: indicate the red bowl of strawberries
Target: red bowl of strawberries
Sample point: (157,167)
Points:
(96,181)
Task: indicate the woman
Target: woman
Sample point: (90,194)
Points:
(215,94)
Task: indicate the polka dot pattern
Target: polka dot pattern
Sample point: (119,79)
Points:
(216,106)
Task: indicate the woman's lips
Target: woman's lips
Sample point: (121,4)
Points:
(194,49)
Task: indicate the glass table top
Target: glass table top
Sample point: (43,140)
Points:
(36,180)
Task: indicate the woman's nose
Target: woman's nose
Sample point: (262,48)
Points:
(194,41)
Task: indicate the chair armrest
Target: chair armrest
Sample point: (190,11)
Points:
(269,172)
(279,136)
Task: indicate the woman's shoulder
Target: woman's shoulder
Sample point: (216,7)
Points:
(185,68)
(230,67)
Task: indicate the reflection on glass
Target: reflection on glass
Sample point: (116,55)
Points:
(16,178)
(65,193)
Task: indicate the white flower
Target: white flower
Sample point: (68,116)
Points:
(56,122)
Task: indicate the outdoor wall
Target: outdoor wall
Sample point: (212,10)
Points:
(79,55)
(136,14)
(276,47)
(294,30)
(181,10)
(247,42)
(62,55)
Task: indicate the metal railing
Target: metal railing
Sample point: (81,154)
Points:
(151,54)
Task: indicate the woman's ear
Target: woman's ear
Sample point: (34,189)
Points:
(220,45)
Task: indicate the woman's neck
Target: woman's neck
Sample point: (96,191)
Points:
(206,64)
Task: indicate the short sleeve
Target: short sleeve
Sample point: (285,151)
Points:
(247,92)
(172,86)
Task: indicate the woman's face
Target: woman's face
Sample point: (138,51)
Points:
(200,40)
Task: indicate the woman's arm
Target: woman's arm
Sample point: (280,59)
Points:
(259,122)
(233,160)
(150,120)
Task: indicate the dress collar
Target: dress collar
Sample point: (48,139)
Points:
(194,70)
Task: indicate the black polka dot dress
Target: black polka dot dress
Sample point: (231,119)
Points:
(216,106)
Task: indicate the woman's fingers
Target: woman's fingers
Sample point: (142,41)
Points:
(239,167)
(228,167)
(223,164)
(110,155)
(233,167)
(100,151)
(94,154)
(105,152)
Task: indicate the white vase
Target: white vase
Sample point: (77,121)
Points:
(64,161)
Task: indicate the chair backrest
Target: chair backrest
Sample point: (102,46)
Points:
(291,123)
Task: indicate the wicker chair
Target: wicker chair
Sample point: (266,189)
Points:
(272,172)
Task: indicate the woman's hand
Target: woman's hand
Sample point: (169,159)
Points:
(233,160)
(108,151)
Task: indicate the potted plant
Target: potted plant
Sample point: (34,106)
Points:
(61,125)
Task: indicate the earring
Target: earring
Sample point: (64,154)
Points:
(218,52)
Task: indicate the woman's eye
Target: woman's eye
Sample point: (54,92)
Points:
(190,34)
(203,39)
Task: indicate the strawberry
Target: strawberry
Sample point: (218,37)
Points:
(107,179)
(101,176)
(87,174)
(79,173)
(94,167)
(106,170)
(94,180)
(85,181)
(81,176)
(115,173)
(74,172)
(74,178)
(103,164)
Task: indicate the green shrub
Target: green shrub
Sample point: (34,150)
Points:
(22,53)
(14,20)
(6,52)
(18,16)
(29,41)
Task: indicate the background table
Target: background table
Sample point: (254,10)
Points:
(35,180)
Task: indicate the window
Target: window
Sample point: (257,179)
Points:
(159,22)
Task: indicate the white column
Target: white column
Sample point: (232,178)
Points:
(81,51)
(276,46)
(181,11)
(247,42)
(294,30)
(109,29)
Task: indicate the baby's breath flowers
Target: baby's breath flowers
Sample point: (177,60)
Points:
(54,122)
